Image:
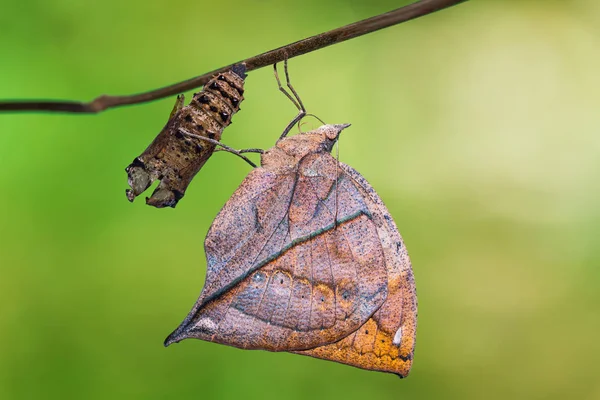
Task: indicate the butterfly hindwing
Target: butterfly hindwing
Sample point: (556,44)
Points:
(386,341)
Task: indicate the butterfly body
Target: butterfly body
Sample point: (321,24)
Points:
(305,258)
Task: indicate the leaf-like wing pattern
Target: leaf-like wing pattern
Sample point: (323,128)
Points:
(306,274)
(306,258)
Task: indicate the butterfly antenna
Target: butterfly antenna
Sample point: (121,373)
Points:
(289,85)
(295,99)
(314,116)
(300,125)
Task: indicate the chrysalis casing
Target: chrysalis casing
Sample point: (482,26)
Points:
(175,158)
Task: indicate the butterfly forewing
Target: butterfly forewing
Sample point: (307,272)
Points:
(291,283)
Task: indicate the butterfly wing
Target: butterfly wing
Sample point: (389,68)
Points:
(292,265)
(386,341)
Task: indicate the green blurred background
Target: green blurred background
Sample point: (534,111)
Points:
(478,126)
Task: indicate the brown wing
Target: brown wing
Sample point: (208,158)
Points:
(386,341)
(294,262)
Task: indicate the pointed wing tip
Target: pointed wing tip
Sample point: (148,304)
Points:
(174,337)
(189,328)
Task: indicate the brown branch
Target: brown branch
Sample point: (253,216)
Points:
(412,11)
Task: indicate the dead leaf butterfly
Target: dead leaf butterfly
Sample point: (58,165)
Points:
(305,258)
(178,152)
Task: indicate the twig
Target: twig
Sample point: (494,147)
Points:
(412,11)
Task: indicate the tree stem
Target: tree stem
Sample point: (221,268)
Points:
(104,102)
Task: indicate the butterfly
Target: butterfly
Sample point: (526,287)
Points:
(305,258)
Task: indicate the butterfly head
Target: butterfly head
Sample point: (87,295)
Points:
(288,151)
(331,133)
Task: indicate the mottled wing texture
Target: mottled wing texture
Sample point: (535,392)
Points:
(294,262)
(308,260)
(386,341)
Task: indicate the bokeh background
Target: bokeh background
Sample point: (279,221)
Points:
(478,125)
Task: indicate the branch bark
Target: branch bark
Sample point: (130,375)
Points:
(104,102)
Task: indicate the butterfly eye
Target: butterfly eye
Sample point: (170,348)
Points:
(332,132)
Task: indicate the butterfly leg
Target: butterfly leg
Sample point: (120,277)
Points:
(289,85)
(223,147)
(295,99)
